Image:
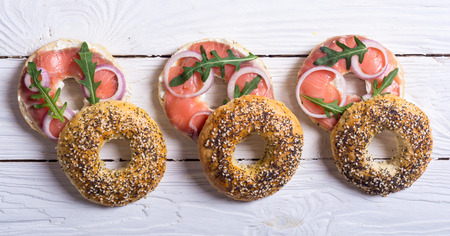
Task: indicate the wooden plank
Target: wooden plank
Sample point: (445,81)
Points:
(37,198)
(427,87)
(159,28)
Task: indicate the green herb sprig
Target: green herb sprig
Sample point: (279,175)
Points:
(50,102)
(248,87)
(204,66)
(88,68)
(333,56)
(331,107)
(334,108)
(387,81)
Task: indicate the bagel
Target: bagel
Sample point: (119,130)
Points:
(326,81)
(351,136)
(232,123)
(85,134)
(185,105)
(56,59)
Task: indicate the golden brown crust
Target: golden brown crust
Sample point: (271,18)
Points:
(83,137)
(351,136)
(59,45)
(232,123)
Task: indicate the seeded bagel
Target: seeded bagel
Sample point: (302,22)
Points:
(232,123)
(83,137)
(351,136)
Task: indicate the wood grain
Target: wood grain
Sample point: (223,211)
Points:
(142,74)
(37,198)
(269,28)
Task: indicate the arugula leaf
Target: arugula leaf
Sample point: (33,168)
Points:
(332,107)
(88,68)
(204,66)
(248,87)
(333,56)
(387,81)
(50,101)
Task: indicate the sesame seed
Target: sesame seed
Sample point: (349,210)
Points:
(231,124)
(89,130)
(351,137)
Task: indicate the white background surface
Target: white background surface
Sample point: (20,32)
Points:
(37,198)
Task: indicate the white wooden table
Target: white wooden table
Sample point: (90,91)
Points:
(36,197)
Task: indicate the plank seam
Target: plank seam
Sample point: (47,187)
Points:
(261,56)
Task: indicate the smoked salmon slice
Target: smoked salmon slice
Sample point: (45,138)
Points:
(188,115)
(57,61)
(322,83)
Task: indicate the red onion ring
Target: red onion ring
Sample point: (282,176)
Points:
(121,85)
(191,123)
(339,76)
(48,119)
(356,66)
(45,81)
(250,69)
(207,84)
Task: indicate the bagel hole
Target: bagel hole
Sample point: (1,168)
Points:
(116,153)
(250,150)
(71,93)
(383,147)
(355,85)
(216,94)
